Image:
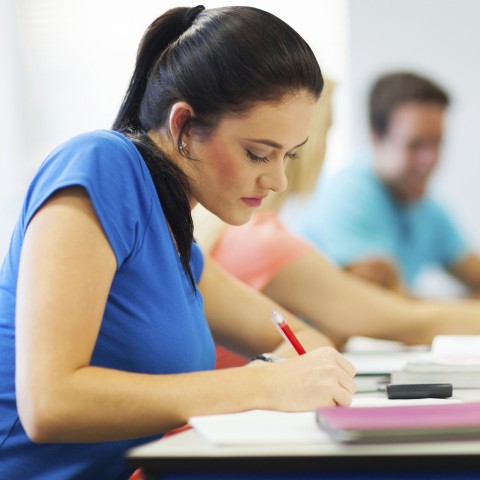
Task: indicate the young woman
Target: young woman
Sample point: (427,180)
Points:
(265,255)
(104,340)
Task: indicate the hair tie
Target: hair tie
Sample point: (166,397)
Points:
(191,15)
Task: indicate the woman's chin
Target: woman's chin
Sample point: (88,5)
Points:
(238,219)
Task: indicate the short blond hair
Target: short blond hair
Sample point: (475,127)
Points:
(302,173)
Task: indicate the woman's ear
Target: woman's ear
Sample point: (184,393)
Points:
(180,114)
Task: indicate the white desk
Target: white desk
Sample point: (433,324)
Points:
(189,453)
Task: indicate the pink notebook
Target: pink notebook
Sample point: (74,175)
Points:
(402,423)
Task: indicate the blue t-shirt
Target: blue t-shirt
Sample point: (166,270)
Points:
(153,323)
(352,216)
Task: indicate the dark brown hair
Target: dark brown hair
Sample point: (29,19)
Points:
(394,89)
(218,61)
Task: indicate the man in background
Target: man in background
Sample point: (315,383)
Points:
(376,217)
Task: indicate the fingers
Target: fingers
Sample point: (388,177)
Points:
(343,394)
(346,365)
(329,355)
(344,387)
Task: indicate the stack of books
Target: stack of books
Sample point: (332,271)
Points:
(453,359)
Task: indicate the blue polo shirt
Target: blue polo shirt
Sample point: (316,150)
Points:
(352,216)
(153,322)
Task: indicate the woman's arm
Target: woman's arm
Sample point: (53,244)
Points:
(66,269)
(342,305)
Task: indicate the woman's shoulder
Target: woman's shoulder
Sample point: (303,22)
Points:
(99,152)
(98,140)
(109,167)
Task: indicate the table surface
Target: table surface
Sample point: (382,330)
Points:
(188,451)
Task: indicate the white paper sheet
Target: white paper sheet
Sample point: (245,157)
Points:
(259,427)
(262,427)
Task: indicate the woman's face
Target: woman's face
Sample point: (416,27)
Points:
(243,160)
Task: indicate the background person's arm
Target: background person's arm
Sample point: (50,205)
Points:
(467,271)
(240,317)
(341,305)
(380,271)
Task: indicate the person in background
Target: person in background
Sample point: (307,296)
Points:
(264,254)
(108,312)
(376,217)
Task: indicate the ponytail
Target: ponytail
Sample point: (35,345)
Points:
(172,188)
(170,182)
(159,35)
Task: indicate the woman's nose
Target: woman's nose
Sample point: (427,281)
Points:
(274,179)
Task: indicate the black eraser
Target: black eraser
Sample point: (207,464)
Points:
(419,390)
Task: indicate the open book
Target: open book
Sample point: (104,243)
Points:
(401,423)
(453,359)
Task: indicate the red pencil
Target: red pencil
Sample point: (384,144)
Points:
(279,321)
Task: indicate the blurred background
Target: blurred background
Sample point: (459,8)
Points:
(65,65)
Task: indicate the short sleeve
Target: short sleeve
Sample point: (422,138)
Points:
(112,172)
(197,262)
(254,253)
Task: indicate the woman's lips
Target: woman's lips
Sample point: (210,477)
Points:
(253,201)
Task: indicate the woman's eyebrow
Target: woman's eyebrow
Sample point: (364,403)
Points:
(273,144)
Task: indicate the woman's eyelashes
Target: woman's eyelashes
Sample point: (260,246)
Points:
(264,159)
(256,158)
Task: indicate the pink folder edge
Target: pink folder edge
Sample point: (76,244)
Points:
(354,424)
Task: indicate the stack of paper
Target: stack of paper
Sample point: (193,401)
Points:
(453,359)
(374,360)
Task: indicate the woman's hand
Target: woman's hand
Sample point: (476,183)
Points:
(319,378)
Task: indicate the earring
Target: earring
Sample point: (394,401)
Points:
(183,146)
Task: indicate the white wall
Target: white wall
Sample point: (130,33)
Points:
(66,64)
(10,121)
